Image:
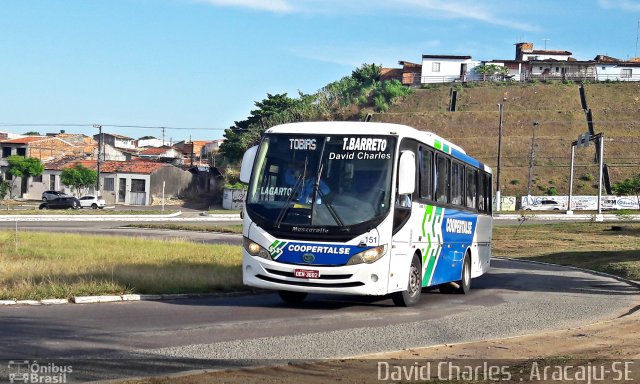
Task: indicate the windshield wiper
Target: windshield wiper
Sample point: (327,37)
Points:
(287,205)
(316,191)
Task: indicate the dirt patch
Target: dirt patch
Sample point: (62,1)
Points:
(617,339)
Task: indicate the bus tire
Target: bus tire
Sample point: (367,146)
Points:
(411,296)
(292,298)
(463,285)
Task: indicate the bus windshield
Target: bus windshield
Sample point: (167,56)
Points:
(321,184)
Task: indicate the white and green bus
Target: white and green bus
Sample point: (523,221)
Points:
(363,208)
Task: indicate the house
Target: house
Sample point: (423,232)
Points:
(212,147)
(115,140)
(409,74)
(4,135)
(447,68)
(138,182)
(191,150)
(544,64)
(108,152)
(526,52)
(610,68)
(165,154)
(41,147)
(149,141)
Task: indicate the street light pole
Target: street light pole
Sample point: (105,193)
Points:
(498,197)
(99,156)
(532,157)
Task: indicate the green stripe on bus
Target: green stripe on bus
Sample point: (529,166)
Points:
(427,212)
(430,270)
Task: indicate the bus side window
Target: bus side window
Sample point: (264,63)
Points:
(482,192)
(442,179)
(457,182)
(487,193)
(471,188)
(426,174)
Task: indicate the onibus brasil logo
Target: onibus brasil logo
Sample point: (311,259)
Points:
(275,249)
(24,371)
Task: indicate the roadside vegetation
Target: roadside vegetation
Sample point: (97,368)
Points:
(593,246)
(39,265)
(350,98)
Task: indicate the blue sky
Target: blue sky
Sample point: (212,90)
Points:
(203,63)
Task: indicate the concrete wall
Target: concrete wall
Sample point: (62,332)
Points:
(176,182)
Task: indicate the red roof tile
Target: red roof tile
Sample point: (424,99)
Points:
(140,167)
(25,140)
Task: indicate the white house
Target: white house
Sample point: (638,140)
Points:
(609,68)
(525,52)
(153,142)
(447,68)
(115,140)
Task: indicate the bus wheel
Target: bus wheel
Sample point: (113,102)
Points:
(292,298)
(463,285)
(411,296)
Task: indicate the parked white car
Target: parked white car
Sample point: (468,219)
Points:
(91,201)
(544,205)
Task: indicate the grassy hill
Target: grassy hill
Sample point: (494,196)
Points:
(558,111)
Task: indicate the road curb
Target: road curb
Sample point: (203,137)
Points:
(126,297)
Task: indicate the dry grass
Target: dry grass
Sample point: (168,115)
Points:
(588,245)
(40,265)
(557,108)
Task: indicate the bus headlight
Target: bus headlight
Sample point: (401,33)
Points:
(369,256)
(255,249)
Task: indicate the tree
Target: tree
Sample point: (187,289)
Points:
(79,178)
(32,133)
(4,188)
(246,133)
(491,70)
(23,167)
(367,74)
(628,187)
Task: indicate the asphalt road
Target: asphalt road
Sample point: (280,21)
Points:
(148,338)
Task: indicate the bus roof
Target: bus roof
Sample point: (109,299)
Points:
(369,128)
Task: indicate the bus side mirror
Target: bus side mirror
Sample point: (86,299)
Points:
(407,173)
(247,164)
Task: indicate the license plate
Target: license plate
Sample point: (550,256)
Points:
(306,273)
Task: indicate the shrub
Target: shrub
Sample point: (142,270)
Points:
(514,182)
(380,103)
(586,177)
(552,191)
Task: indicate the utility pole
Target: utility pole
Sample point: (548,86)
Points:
(498,197)
(100,140)
(532,156)
(163,136)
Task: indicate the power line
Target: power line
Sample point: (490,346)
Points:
(110,125)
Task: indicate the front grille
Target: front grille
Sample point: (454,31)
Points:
(322,277)
(308,284)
